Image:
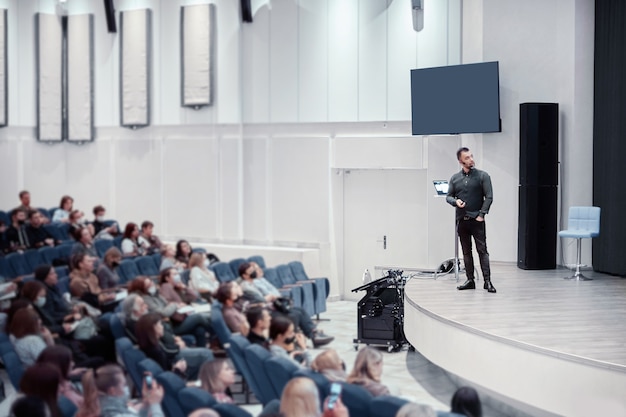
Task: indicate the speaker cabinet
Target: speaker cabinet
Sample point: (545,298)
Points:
(539,144)
(538,191)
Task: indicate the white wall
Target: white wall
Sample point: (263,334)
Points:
(257,166)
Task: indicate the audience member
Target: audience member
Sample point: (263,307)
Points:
(29,337)
(5,244)
(130,243)
(416,410)
(84,242)
(329,364)
(183,251)
(168,259)
(285,342)
(149,330)
(367,370)
(84,284)
(259,319)
(134,308)
(25,203)
(42,380)
(36,234)
(62,214)
(78,220)
(56,306)
(227,293)
(100,229)
(16,232)
(107,271)
(259,290)
(148,239)
(300,398)
(173,289)
(182,323)
(201,278)
(465,401)
(61,357)
(215,377)
(29,406)
(106,395)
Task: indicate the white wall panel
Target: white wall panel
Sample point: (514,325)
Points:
(49,78)
(373,153)
(230,198)
(343,73)
(43,161)
(313,61)
(190,187)
(228,70)
(80,77)
(138,180)
(401,58)
(256,189)
(10,169)
(432,41)
(300,189)
(83,172)
(3,68)
(283,53)
(255,66)
(372,60)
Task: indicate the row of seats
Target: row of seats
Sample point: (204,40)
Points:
(267,375)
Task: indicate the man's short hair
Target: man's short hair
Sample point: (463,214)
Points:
(460,151)
(32,213)
(98,209)
(146,224)
(22,193)
(17,210)
(254,314)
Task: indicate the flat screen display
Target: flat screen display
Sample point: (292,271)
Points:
(456,99)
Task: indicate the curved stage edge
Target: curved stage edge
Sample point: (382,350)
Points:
(516,348)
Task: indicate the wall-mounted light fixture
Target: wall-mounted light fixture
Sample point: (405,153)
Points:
(417,9)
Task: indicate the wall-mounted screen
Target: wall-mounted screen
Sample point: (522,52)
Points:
(456,99)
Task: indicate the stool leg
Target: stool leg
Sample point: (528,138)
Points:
(578,276)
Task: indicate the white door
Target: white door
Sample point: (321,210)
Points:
(385,224)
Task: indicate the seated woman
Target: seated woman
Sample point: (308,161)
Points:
(285,342)
(84,284)
(329,364)
(301,398)
(107,271)
(183,251)
(182,323)
(149,331)
(465,401)
(28,336)
(168,259)
(227,294)
(201,278)
(368,368)
(173,289)
(215,378)
(130,243)
(42,380)
(61,357)
(84,242)
(62,214)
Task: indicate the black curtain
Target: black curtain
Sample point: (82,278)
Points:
(609,135)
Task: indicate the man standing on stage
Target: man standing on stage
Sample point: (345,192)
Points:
(470,192)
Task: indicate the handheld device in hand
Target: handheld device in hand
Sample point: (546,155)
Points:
(335,392)
(148,379)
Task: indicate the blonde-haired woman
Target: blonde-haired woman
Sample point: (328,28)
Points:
(201,278)
(329,364)
(302,399)
(216,376)
(368,368)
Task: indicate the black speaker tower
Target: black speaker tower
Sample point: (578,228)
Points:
(109,11)
(538,185)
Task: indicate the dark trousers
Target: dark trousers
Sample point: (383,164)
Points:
(467,229)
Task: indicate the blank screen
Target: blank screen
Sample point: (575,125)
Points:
(456,99)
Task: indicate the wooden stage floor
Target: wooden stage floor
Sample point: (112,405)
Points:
(581,320)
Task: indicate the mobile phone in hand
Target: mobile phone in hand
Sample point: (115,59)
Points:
(335,392)
(148,379)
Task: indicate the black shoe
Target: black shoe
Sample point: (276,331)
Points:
(320,339)
(467,285)
(488,286)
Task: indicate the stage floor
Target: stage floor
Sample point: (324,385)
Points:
(585,320)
